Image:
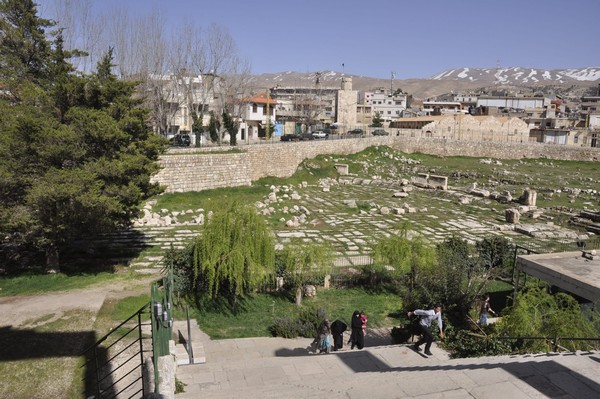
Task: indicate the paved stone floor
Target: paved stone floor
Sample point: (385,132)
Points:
(287,368)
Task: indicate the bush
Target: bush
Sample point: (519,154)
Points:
(286,328)
(465,343)
(305,325)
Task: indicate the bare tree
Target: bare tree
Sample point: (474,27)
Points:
(184,74)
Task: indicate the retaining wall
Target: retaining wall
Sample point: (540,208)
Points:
(194,169)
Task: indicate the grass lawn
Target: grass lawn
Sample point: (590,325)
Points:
(256,314)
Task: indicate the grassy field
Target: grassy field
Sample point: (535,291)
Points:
(255,315)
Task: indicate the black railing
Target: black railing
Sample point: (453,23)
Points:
(553,342)
(113,371)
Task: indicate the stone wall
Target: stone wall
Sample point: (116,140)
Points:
(184,171)
(198,169)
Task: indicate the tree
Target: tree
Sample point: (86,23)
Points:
(303,263)
(24,49)
(377,120)
(537,312)
(213,128)
(408,257)
(234,253)
(494,251)
(76,155)
(231,127)
(456,282)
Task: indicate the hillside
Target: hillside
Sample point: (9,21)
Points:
(517,80)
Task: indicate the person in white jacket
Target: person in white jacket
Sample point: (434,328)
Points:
(426,318)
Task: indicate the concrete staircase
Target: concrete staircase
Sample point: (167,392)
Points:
(181,350)
(288,368)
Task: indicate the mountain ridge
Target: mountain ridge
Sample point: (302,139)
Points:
(573,82)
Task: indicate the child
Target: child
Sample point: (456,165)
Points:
(363,320)
(484,310)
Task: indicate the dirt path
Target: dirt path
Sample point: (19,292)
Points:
(19,310)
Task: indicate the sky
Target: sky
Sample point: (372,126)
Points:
(375,38)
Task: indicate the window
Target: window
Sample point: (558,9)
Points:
(254,108)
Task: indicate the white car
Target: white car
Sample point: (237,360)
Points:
(319,134)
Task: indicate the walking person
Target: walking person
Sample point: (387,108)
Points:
(356,337)
(426,318)
(484,310)
(337,330)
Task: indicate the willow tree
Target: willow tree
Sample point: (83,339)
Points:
(234,253)
(303,263)
(408,259)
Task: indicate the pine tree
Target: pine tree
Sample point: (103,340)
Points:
(76,154)
(24,50)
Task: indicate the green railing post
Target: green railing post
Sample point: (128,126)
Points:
(162,322)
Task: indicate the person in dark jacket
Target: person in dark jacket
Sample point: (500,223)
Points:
(356,338)
(337,330)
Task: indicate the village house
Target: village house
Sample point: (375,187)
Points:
(257,115)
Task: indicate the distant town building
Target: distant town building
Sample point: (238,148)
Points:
(175,98)
(389,105)
(257,112)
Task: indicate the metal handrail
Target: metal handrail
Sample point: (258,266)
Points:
(114,329)
(553,341)
(100,378)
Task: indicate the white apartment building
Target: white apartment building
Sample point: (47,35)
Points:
(176,97)
(389,105)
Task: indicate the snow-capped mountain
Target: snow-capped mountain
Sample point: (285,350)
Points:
(520,75)
(518,79)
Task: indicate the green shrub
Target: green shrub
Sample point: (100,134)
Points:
(305,325)
(465,343)
(286,327)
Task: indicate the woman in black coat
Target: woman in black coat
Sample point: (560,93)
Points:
(357,337)
(337,330)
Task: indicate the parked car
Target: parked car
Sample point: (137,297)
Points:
(380,132)
(355,133)
(288,137)
(181,140)
(320,134)
(297,137)
(305,136)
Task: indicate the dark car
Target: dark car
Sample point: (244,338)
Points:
(289,137)
(181,140)
(297,137)
(380,132)
(355,133)
(305,136)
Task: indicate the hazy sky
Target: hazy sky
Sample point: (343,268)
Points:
(415,39)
